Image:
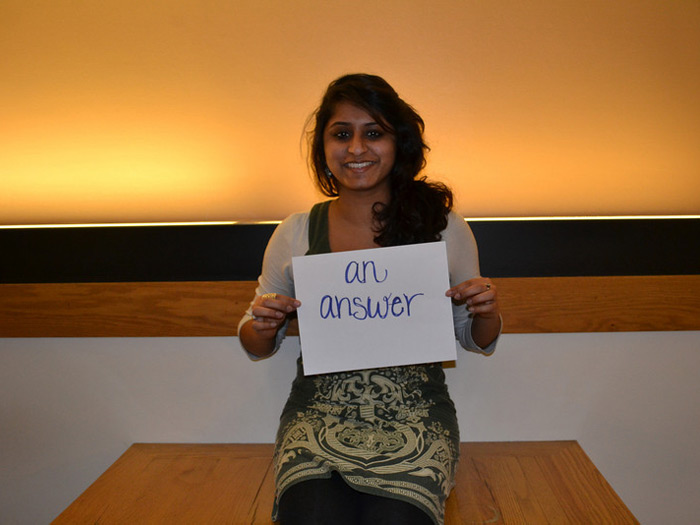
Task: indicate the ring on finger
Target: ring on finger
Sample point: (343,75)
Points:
(488,286)
(269,296)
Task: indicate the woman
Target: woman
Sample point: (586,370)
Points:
(370,446)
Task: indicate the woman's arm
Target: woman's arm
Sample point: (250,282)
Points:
(474,298)
(263,325)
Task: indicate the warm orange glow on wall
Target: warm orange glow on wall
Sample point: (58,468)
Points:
(91,171)
(129,111)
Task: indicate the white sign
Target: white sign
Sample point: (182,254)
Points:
(374,308)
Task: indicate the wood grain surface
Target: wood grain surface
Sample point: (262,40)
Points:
(529,305)
(502,483)
(600,304)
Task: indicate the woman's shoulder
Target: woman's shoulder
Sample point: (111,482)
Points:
(459,237)
(292,228)
(300,220)
(456,225)
(295,219)
(454,216)
(293,232)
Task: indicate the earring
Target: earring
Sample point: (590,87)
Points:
(328,172)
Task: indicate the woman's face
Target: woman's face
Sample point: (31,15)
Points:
(359,152)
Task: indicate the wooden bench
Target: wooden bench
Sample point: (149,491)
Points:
(516,482)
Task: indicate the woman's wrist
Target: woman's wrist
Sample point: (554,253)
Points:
(260,344)
(485,329)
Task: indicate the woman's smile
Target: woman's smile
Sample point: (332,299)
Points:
(359,165)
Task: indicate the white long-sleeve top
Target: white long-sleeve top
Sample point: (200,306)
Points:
(291,239)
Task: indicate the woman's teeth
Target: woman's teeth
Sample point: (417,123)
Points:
(358,165)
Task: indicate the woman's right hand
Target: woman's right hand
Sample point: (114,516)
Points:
(270,310)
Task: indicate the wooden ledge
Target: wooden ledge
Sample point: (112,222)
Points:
(530,305)
(525,482)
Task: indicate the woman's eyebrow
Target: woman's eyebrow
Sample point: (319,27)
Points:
(341,123)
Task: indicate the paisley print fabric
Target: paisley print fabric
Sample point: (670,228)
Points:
(391,432)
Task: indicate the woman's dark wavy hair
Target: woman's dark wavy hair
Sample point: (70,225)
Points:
(418,209)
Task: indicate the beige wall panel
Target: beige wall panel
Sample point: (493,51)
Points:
(530,305)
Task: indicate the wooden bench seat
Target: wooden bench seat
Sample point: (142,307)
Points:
(515,482)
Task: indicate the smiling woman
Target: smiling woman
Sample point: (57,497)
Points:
(359,151)
(367,151)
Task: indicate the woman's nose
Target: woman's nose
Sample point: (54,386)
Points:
(357,144)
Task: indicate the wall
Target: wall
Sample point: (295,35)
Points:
(70,407)
(124,110)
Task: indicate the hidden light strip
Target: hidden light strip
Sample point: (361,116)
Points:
(228,223)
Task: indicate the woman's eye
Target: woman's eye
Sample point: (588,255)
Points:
(342,135)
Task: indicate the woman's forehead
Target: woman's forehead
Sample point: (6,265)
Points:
(346,112)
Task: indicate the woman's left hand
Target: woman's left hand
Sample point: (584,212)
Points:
(480,296)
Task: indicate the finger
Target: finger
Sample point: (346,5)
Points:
(261,312)
(469,289)
(265,326)
(489,308)
(280,302)
(269,310)
(482,297)
(459,288)
(268,315)
(484,291)
(458,292)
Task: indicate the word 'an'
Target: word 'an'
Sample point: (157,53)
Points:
(357,272)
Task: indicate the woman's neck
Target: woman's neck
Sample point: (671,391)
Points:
(351,222)
(357,207)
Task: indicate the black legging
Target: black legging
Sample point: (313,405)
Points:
(334,502)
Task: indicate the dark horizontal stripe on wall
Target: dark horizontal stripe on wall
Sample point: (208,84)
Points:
(548,248)
(133,253)
(572,248)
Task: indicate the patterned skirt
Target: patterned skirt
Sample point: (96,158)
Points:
(391,432)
